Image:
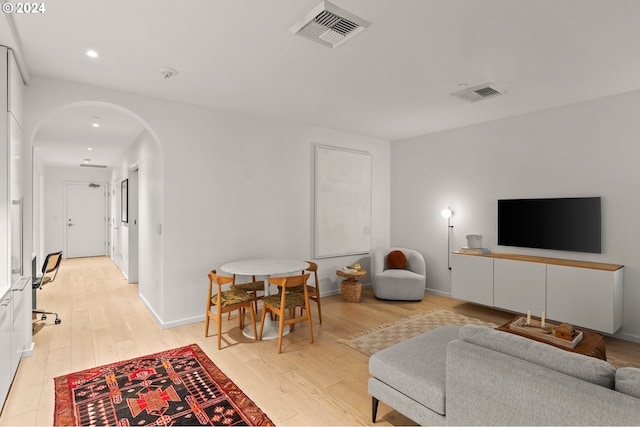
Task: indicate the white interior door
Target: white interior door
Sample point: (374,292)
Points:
(86,219)
(116,223)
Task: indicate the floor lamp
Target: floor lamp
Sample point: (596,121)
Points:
(446,213)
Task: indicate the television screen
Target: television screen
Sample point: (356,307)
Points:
(566,224)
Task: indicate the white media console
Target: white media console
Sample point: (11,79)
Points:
(586,294)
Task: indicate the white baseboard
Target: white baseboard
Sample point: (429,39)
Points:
(28,352)
(437,292)
(168,325)
(182,322)
(628,337)
(151,310)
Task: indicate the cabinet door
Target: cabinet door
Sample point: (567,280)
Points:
(5,347)
(18,323)
(585,297)
(519,286)
(472,278)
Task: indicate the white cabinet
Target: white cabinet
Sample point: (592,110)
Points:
(18,323)
(472,279)
(585,297)
(5,348)
(519,285)
(585,294)
(14,316)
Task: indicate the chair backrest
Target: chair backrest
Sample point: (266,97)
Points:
(313,267)
(290,281)
(218,280)
(51,264)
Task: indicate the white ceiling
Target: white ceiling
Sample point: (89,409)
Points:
(392,81)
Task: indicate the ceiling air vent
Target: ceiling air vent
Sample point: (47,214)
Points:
(329,25)
(479,92)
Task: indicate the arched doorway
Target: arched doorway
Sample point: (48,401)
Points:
(96,143)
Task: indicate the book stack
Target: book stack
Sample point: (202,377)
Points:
(480,251)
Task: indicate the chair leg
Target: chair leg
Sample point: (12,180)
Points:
(219,320)
(264,313)
(241,312)
(206,324)
(374,409)
(280,331)
(44,315)
(309,321)
(319,308)
(253,322)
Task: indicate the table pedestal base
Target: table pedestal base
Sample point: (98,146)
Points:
(270,331)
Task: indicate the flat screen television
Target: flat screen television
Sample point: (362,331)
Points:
(565,224)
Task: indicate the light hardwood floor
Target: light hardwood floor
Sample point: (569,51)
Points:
(324,383)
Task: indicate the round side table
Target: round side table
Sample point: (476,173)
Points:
(351,286)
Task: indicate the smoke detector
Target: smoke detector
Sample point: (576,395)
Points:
(329,25)
(167,72)
(478,92)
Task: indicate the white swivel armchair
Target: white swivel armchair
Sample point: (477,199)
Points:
(406,284)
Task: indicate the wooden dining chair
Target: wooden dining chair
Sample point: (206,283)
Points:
(226,301)
(313,290)
(287,301)
(252,288)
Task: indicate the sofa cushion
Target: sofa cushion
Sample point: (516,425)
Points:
(586,368)
(416,367)
(396,259)
(628,381)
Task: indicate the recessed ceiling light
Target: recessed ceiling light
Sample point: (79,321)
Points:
(86,160)
(89,149)
(95,125)
(92,54)
(95,121)
(462,85)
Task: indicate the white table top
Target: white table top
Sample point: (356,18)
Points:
(265,266)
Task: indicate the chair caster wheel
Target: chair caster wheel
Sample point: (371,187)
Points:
(44,317)
(57,322)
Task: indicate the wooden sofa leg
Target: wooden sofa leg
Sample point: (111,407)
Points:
(374,408)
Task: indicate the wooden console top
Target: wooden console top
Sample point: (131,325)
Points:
(546,260)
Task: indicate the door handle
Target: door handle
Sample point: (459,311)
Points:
(70,225)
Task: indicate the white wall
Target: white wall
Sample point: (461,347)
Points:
(53,211)
(147,155)
(585,149)
(234,187)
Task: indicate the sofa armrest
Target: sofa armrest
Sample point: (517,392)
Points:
(485,387)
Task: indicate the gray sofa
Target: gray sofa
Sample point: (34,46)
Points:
(475,375)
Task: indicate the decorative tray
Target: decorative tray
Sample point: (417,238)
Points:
(547,333)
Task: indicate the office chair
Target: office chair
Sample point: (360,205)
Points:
(49,273)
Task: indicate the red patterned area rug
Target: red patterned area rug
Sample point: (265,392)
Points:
(176,387)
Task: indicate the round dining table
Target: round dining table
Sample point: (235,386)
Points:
(264,268)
